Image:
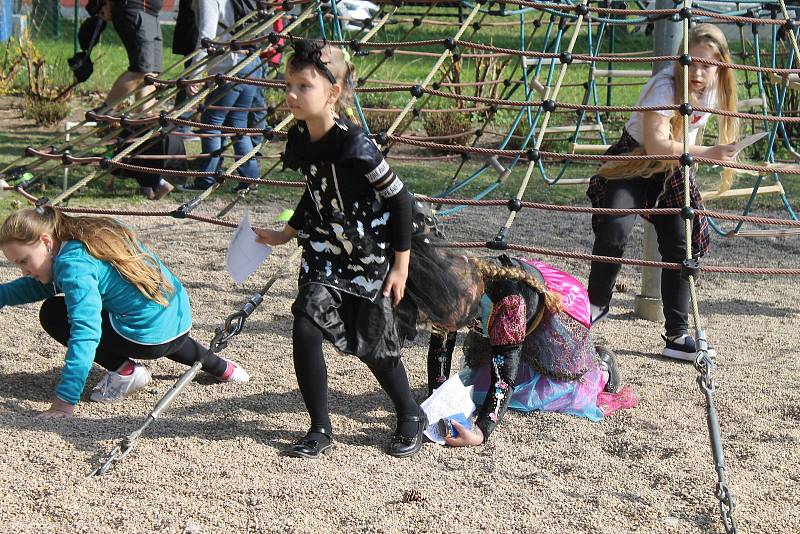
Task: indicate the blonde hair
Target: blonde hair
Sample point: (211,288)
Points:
(727,100)
(104,238)
(488,270)
(342,69)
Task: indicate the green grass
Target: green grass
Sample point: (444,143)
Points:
(428,177)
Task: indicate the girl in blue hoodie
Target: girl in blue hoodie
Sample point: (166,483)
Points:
(106,298)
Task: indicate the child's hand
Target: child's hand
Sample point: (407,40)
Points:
(395,284)
(721,152)
(275,237)
(466,437)
(58,410)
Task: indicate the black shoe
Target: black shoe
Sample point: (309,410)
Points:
(402,446)
(311,445)
(194,187)
(608,361)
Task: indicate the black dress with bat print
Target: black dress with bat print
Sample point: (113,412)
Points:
(354,214)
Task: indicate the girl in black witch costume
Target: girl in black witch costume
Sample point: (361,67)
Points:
(354,224)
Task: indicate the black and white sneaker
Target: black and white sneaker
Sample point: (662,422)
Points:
(680,348)
(599,313)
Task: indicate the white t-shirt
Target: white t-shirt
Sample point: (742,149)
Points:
(660,91)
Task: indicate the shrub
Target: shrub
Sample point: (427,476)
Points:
(454,124)
(45,112)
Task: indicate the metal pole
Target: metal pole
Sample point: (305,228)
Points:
(667,38)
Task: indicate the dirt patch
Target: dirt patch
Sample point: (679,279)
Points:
(213,462)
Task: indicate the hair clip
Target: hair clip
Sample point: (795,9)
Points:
(40,204)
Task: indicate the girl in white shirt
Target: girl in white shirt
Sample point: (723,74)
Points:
(648,184)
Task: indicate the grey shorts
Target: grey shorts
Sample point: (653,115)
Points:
(141,34)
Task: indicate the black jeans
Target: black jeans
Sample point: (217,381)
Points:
(611,237)
(114,350)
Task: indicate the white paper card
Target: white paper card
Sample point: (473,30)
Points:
(749,140)
(449,399)
(244,253)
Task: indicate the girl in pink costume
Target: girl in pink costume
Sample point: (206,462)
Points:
(528,346)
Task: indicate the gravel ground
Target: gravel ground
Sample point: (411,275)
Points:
(213,462)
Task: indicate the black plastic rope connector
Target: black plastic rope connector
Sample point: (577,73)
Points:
(40,203)
(163,120)
(507,82)
(360,82)
(537,23)
(514,204)
(687,213)
(686,160)
(449,43)
(685,60)
(436,86)
(685,13)
(65,158)
(565,57)
(30,151)
(218,78)
(273,38)
(533,155)
(268,133)
(270,110)
(355,45)
(690,267)
(382,138)
(389,52)
(124,121)
(582,9)
(685,109)
(415,112)
(105,163)
(286,6)
(456,57)
(499,242)
(790,25)
(417,91)
(417,22)
(149,79)
(397,3)
(205,42)
(476,26)
(464,156)
(181,211)
(549,105)
(219,176)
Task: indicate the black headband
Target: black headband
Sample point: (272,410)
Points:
(307,53)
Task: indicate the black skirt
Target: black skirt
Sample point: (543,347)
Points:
(374,331)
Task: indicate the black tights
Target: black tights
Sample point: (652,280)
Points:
(312,378)
(114,350)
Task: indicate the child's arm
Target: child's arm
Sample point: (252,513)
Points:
(290,230)
(24,290)
(657,140)
(396,280)
(77,277)
(275,237)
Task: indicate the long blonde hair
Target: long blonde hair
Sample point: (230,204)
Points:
(489,270)
(727,100)
(104,238)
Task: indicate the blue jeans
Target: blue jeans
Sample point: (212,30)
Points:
(227,95)
(258,119)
